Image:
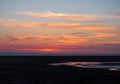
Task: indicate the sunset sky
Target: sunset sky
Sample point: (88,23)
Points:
(60,26)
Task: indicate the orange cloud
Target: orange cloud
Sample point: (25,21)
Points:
(94,35)
(82,39)
(109,42)
(98,35)
(14,23)
(94,27)
(104,35)
(15,37)
(48,40)
(70,40)
(61,40)
(17,24)
(28,40)
(50,14)
(7,20)
(8,23)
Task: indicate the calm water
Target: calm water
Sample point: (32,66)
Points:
(115,66)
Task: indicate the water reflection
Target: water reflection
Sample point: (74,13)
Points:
(114,66)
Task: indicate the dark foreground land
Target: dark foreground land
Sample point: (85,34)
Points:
(36,70)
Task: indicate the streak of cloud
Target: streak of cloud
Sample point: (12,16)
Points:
(53,15)
(18,24)
(15,37)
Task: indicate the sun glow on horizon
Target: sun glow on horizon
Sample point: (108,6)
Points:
(47,50)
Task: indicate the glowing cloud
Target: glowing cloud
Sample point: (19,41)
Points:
(17,24)
(50,14)
(70,40)
(15,37)
(104,35)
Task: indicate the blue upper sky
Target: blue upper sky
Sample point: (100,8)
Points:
(66,6)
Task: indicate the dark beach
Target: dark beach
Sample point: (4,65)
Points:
(36,70)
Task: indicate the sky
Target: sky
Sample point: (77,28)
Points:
(60,26)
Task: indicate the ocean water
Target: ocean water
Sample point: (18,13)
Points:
(114,66)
